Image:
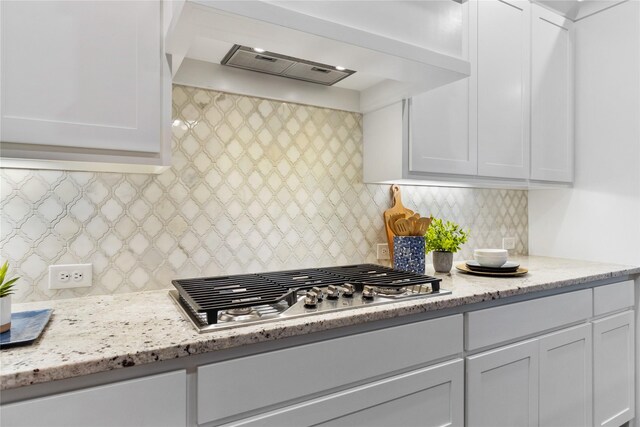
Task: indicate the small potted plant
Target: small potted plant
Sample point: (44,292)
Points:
(444,239)
(6,289)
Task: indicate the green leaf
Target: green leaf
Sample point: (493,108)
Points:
(3,271)
(11,282)
(6,288)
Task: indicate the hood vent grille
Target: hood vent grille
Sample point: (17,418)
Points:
(284,66)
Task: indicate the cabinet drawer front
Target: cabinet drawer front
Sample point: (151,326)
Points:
(159,400)
(427,397)
(613,297)
(512,321)
(279,376)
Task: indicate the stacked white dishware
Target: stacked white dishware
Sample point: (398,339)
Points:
(492,262)
(494,258)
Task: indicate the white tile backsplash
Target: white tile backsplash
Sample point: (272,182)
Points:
(255,185)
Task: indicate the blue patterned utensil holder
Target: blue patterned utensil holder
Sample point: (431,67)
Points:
(408,253)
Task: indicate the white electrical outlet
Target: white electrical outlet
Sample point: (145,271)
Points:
(383,251)
(70,276)
(508,243)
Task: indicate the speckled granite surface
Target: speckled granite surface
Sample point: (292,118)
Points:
(94,334)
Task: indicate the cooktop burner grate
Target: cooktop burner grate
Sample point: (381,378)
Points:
(213,294)
(208,297)
(377,275)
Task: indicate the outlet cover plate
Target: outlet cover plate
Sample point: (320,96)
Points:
(508,243)
(67,276)
(383,251)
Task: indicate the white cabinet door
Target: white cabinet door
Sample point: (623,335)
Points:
(503,88)
(565,378)
(551,96)
(427,397)
(82,74)
(613,370)
(442,121)
(159,400)
(502,386)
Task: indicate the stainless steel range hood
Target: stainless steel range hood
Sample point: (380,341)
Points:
(361,36)
(276,64)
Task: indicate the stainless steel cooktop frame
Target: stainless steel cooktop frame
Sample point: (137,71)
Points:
(269,314)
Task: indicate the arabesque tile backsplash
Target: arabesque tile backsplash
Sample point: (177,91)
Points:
(255,185)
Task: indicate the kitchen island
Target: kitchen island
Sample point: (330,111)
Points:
(102,339)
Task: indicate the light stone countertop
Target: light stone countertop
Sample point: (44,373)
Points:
(101,333)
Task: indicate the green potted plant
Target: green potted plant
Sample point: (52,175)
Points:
(6,289)
(444,239)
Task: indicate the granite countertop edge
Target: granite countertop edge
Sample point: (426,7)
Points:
(49,359)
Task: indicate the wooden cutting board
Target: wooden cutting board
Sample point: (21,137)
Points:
(396,208)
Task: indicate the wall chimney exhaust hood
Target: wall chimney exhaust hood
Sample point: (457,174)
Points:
(396,48)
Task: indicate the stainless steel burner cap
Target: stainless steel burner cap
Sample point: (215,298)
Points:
(239,314)
(390,291)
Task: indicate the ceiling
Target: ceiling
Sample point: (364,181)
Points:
(576,9)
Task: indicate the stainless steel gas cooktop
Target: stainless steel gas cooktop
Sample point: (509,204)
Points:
(215,303)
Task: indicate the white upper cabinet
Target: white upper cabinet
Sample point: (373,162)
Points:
(480,125)
(83,81)
(508,125)
(503,88)
(551,96)
(442,121)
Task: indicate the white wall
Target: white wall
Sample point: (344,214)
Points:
(599,219)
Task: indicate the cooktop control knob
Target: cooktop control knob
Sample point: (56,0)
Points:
(311,299)
(368,292)
(348,289)
(333,292)
(318,292)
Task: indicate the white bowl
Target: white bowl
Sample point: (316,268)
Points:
(491,257)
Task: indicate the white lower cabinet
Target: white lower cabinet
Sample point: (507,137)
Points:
(565,378)
(427,397)
(613,373)
(544,381)
(155,401)
(502,386)
(302,373)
